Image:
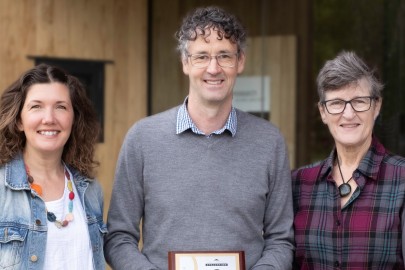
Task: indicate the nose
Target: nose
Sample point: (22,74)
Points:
(348,110)
(213,67)
(48,117)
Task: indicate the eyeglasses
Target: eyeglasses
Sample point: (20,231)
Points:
(359,104)
(203,60)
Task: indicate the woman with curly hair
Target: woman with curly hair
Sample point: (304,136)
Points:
(51,207)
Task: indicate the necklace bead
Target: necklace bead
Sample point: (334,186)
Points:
(51,216)
(37,188)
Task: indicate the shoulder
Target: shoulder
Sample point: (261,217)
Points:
(253,125)
(395,160)
(90,189)
(150,129)
(168,115)
(156,122)
(378,152)
(308,172)
(393,166)
(92,184)
(246,118)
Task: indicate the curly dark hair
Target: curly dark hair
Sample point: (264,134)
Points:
(202,20)
(79,150)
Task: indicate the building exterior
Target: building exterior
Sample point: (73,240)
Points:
(289,40)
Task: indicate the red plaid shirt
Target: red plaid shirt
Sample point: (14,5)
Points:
(368,232)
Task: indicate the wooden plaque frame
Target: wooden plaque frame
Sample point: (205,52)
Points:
(201,260)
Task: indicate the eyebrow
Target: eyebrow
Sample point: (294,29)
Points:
(40,101)
(205,52)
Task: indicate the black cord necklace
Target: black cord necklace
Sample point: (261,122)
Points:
(345,188)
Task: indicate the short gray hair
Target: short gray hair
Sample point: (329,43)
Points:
(347,68)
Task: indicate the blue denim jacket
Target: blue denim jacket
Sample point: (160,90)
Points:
(23,223)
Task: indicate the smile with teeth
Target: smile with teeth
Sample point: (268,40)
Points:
(48,133)
(213,82)
(349,125)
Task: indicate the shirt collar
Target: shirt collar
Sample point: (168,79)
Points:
(369,165)
(16,176)
(184,122)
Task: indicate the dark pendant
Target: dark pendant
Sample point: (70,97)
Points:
(344,189)
(51,216)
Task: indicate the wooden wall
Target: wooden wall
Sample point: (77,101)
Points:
(114,30)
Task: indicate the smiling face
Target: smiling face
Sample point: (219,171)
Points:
(47,118)
(351,128)
(212,85)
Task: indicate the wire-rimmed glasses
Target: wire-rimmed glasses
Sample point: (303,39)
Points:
(359,104)
(223,59)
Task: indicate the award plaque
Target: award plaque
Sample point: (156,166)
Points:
(206,260)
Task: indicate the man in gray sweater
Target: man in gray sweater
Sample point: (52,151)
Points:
(203,176)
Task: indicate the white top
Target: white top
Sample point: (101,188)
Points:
(68,247)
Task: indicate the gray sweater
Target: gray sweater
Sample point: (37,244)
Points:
(201,193)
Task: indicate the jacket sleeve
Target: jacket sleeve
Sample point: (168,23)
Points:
(278,220)
(126,209)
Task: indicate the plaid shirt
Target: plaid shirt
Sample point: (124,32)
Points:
(368,232)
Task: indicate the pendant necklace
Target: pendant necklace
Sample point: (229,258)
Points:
(345,188)
(49,215)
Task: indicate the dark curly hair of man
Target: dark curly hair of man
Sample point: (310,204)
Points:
(201,21)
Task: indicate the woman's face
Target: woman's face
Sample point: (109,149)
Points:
(47,118)
(351,128)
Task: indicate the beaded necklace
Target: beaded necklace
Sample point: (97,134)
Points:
(49,215)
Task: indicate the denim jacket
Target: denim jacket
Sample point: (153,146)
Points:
(23,222)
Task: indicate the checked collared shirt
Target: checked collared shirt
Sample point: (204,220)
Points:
(184,122)
(368,232)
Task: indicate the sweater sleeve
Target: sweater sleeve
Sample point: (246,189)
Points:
(278,220)
(126,209)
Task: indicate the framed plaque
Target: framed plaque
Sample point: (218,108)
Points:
(206,260)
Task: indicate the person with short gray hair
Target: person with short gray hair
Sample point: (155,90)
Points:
(203,176)
(349,208)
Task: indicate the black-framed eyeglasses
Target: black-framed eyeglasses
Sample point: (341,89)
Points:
(359,104)
(223,59)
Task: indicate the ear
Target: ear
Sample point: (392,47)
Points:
(377,109)
(241,62)
(322,112)
(20,125)
(186,65)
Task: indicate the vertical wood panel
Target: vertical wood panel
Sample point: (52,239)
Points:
(277,54)
(167,75)
(17,30)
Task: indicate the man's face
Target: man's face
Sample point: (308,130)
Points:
(212,85)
